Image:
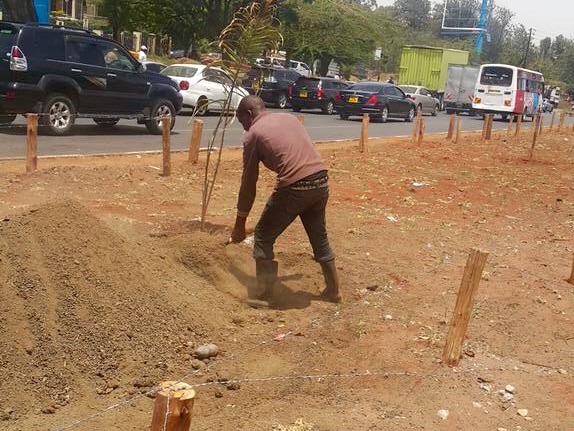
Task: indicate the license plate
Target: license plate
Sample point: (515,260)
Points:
(302,94)
(353,99)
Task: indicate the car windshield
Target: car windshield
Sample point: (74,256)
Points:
(409,89)
(180,71)
(366,86)
(307,83)
(495,75)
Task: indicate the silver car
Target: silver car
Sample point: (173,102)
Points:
(424,100)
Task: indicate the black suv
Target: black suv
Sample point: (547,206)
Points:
(63,73)
(271,84)
(316,93)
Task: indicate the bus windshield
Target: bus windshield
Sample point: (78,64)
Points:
(493,75)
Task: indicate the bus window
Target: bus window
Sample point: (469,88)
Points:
(493,75)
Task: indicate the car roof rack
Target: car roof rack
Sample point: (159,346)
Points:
(63,27)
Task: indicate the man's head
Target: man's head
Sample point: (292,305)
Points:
(248,110)
(144,48)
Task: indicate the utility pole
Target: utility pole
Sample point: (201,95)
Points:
(482,24)
(527,48)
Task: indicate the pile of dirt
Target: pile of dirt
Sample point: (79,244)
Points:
(84,309)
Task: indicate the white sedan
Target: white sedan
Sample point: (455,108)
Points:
(423,98)
(204,88)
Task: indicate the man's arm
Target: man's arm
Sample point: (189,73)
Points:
(247,190)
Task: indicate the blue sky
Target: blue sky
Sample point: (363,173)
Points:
(548,18)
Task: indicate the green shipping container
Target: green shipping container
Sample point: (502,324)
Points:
(428,66)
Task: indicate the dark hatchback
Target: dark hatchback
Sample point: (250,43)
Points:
(316,93)
(380,100)
(271,84)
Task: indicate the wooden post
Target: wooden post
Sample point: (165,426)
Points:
(421,134)
(416,127)
(451,126)
(463,308)
(166,132)
(173,407)
(509,130)
(489,127)
(552,120)
(364,134)
(571,279)
(301,118)
(535,121)
(196,131)
(484,126)
(540,124)
(518,124)
(561,123)
(31,143)
(458,128)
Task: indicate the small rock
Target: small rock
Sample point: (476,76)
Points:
(218,393)
(562,371)
(388,317)
(540,300)
(233,386)
(522,412)
(477,405)
(443,414)
(500,429)
(373,287)
(49,410)
(509,388)
(485,387)
(206,351)
(196,364)
(508,396)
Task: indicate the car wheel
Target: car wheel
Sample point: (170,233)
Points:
(296,109)
(106,122)
(59,114)
(282,101)
(435,110)
(410,115)
(202,107)
(344,116)
(329,108)
(160,109)
(384,115)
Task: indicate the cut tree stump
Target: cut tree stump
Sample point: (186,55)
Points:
(173,407)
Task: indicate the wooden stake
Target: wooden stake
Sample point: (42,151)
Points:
(166,133)
(195,143)
(301,118)
(421,135)
(484,126)
(518,124)
(463,308)
(509,129)
(364,134)
(458,128)
(489,127)
(535,121)
(31,143)
(552,120)
(540,124)
(173,407)
(561,123)
(451,126)
(571,279)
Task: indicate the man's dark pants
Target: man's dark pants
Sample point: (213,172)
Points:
(284,206)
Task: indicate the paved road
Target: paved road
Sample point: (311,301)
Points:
(127,136)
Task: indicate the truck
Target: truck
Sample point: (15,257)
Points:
(428,66)
(459,91)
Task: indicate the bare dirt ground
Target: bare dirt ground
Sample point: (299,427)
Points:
(107,286)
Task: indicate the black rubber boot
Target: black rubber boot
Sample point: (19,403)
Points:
(266,272)
(331,292)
